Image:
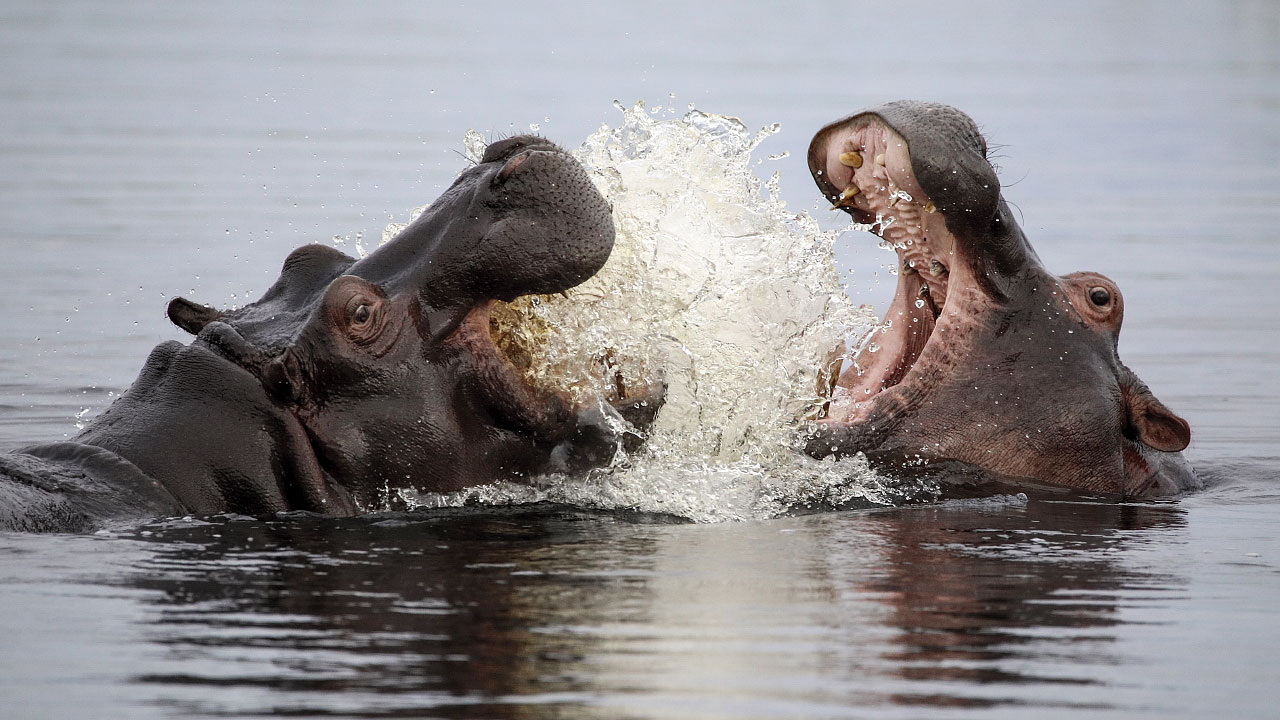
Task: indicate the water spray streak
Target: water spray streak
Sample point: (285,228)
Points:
(719,289)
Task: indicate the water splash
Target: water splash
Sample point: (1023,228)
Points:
(473,146)
(719,289)
(393,229)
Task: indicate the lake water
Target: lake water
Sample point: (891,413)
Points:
(150,150)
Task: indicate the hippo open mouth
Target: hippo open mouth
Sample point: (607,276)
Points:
(984,357)
(864,167)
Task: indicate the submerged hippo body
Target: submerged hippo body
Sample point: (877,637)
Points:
(349,380)
(988,359)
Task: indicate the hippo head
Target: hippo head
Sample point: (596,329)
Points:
(350,379)
(985,358)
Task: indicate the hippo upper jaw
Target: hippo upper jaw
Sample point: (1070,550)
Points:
(984,357)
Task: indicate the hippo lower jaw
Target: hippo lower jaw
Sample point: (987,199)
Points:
(884,359)
(984,357)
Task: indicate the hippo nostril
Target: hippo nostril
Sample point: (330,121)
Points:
(512,165)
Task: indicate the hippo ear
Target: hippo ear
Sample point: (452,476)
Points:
(1153,423)
(190,316)
(282,377)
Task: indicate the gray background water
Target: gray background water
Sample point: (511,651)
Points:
(148,150)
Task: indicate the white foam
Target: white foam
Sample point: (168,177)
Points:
(720,289)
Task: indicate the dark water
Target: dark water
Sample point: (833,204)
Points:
(154,150)
(982,610)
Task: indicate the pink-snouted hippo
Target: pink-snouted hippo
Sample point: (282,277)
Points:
(986,359)
(351,379)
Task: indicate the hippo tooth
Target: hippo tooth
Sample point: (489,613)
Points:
(937,268)
(845,196)
(927,297)
(851,159)
(930,208)
(907,269)
(880,159)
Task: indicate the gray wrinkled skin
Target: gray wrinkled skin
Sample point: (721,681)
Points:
(351,379)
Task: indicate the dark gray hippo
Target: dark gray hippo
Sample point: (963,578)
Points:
(989,360)
(349,380)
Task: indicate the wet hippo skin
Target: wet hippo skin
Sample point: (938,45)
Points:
(989,360)
(349,380)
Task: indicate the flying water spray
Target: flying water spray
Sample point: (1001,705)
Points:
(718,289)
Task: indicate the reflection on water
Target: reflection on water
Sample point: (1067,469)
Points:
(982,608)
(547,611)
(1000,601)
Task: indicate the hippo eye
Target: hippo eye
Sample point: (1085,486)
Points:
(1099,296)
(361,315)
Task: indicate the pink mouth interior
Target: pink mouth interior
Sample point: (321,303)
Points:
(866,155)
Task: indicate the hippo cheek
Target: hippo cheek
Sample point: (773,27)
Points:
(391,436)
(359,378)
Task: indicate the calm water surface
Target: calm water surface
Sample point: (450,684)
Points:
(154,150)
